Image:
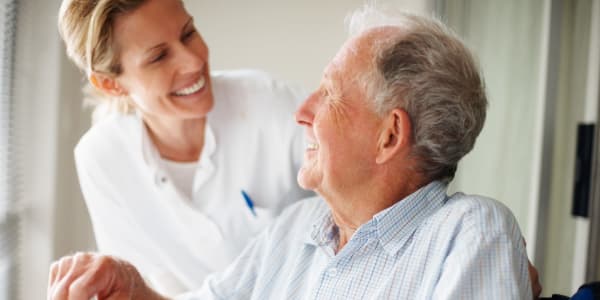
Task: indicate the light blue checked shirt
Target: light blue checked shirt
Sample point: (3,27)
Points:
(427,246)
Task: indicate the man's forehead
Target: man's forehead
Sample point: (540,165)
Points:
(343,59)
(364,43)
(361,46)
(356,54)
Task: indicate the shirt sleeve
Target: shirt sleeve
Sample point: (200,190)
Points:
(238,280)
(114,231)
(485,265)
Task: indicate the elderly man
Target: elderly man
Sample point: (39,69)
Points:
(400,104)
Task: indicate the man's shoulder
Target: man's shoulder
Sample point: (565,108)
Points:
(475,204)
(478,214)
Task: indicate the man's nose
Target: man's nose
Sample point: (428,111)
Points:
(305,113)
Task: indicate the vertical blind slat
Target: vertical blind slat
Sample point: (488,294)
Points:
(9,173)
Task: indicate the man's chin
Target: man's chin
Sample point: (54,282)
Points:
(306,180)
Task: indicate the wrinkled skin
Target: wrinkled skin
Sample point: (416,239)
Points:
(85,275)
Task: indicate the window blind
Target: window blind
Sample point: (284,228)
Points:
(9,174)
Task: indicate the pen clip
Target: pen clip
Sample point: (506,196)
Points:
(249,202)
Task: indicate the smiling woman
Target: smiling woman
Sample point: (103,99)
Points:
(170,180)
(163,70)
(163,64)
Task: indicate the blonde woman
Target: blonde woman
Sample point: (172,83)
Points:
(190,165)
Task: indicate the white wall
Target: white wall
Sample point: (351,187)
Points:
(293,40)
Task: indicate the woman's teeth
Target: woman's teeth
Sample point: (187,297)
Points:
(312,146)
(192,89)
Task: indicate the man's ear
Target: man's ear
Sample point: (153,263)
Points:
(106,83)
(395,137)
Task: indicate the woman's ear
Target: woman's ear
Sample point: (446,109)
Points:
(106,83)
(395,138)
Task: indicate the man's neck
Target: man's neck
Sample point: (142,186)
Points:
(352,211)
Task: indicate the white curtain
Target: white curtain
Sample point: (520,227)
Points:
(506,37)
(564,264)
(537,96)
(9,177)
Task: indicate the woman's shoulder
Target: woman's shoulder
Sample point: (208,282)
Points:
(256,86)
(109,136)
(303,213)
(245,78)
(246,75)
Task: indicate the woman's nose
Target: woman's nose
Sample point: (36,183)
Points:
(192,59)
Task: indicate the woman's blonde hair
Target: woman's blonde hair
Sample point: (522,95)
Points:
(86,27)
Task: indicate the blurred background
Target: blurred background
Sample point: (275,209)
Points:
(540,59)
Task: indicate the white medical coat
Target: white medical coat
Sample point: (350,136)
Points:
(252,144)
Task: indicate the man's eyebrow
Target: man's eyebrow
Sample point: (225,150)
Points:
(326,81)
(328,85)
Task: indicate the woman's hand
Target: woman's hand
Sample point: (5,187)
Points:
(85,275)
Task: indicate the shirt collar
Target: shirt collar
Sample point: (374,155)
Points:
(210,144)
(152,157)
(149,151)
(396,224)
(393,226)
(323,230)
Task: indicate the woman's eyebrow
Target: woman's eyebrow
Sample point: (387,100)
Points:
(186,25)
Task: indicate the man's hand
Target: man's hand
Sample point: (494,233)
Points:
(536,286)
(534,277)
(85,275)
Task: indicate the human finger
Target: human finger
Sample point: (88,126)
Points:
(69,269)
(57,270)
(536,286)
(107,278)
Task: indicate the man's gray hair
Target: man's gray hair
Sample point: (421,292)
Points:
(427,71)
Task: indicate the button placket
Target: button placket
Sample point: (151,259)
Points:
(332,272)
(160,179)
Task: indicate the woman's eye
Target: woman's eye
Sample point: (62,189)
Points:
(159,57)
(189,34)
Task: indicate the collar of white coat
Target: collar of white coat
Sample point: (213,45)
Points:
(153,159)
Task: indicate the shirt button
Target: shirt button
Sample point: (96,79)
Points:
(160,179)
(332,272)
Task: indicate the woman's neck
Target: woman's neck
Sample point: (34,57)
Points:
(176,139)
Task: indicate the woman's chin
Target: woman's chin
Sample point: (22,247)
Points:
(199,108)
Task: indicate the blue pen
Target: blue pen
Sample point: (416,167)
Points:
(249,202)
